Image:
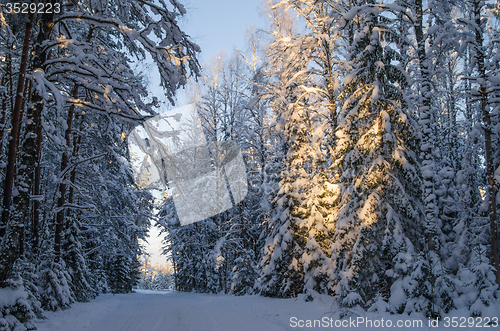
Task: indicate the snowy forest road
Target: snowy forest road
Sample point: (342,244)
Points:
(176,311)
(181,311)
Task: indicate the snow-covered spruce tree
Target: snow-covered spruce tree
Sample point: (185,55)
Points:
(16,312)
(291,244)
(282,272)
(81,284)
(449,214)
(450,126)
(279,276)
(319,45)
(53,285)
(324,45)
(378,233)
(124,211)
(435,37)
(119,274)
(191,250)
(107,214)
(471,239)
(110,212)
(244,272)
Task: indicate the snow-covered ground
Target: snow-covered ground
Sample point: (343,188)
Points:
(178,311)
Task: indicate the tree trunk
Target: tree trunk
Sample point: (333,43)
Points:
(4,112)
(427,122)
(24,174)
(62,186)
(36,192)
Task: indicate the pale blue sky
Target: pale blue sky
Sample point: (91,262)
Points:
(220,24)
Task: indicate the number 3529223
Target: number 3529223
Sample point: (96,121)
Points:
(27,8)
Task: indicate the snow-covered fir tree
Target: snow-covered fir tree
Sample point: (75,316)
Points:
(293,217)
(378,231)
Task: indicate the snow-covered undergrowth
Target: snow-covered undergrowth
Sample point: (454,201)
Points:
(163,310)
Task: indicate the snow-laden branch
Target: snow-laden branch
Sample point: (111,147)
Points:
(74,164)
(82,103)
(170,58)
(41,84)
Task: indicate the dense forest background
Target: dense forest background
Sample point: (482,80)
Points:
(370,132)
